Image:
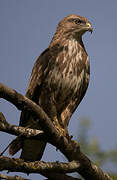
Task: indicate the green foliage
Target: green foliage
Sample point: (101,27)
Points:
(114,177)
(93,149)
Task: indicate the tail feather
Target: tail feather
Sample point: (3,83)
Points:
(15,146)
(32,150)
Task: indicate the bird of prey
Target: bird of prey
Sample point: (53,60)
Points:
(58,83)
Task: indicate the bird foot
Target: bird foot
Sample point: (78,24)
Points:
(61,131)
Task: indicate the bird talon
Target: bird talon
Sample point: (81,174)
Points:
(58,127)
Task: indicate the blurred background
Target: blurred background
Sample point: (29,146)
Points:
(26,29)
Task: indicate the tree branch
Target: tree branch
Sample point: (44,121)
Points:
(18,130)
(3,176)
(29,133)
(68,147)
(19,165)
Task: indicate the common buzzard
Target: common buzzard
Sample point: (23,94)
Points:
(58,83)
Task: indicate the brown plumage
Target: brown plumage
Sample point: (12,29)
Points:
(58,82)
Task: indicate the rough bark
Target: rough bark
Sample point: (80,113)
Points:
(44,168)
(20,165)
(19,130)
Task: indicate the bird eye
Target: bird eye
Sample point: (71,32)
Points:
(77,21)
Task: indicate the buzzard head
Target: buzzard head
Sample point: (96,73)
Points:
(74,26)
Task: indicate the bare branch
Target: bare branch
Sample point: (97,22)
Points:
(3,176)
(29,133)
(23,103)
(68,147)
(18,165)
(18,130)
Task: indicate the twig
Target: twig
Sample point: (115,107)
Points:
(18,130)
(68,147)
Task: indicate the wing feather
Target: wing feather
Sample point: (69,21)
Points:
(39,73)
(37,76)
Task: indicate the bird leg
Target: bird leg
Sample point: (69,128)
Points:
(58,127)
(66,132)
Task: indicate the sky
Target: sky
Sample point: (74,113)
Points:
(26,29)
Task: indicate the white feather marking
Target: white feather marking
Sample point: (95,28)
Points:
(68,80)
(72,47)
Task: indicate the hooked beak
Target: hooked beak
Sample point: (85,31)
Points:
(89,27)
